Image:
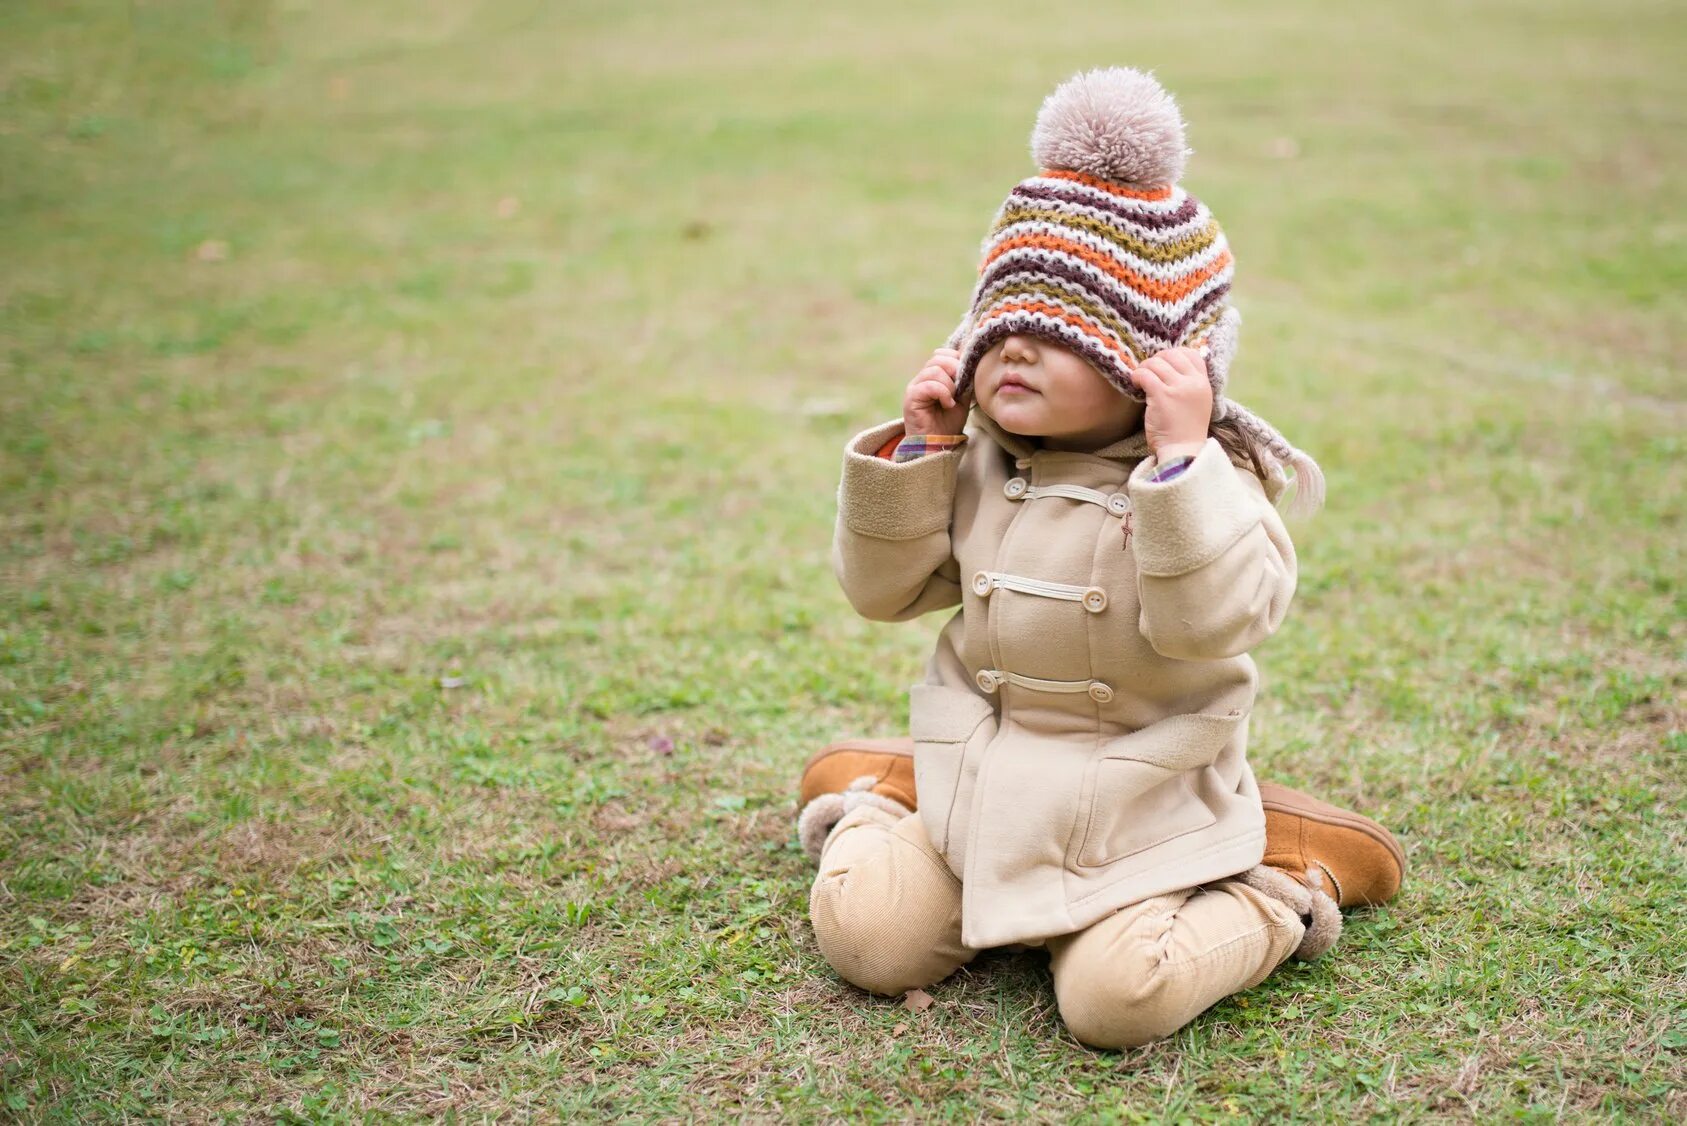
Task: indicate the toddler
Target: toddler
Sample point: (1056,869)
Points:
(1108,526)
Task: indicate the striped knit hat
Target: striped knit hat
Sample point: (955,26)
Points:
(1102,253)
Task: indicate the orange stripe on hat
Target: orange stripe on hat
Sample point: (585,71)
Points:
(1152,287)
(1164,191)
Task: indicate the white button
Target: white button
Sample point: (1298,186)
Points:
(1118,504)
(1015,488)
(987,680)
(1099,692)
(1095,600)
(981,583)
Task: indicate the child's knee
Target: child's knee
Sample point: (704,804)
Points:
(1128,1003)
(857,836)
(863,942)
(889,920)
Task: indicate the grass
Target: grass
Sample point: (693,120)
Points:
(419,428)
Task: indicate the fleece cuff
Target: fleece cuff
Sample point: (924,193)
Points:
(1187,522)
(891,500)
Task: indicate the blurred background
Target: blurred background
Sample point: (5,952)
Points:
(419,434)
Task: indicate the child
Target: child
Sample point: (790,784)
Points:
(1108,527)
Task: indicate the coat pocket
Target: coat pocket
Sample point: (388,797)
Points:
(945,724)
(1140,786)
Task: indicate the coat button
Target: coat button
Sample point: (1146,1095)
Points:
(1015,488)
(981,584)
(986,679)
(1099,692)
(1118,504)
(1095,600)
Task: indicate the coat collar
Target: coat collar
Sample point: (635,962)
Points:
(1132,447)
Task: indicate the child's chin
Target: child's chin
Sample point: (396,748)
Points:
(1020,418)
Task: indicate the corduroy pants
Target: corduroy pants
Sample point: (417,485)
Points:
(886,911)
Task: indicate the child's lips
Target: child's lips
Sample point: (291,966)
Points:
(1012,385)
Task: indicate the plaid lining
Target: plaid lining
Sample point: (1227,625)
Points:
(918,445)
(1172,468)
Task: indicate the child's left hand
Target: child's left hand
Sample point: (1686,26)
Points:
(1180,401)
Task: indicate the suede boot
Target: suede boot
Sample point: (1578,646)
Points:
(1319,858)
(840,777)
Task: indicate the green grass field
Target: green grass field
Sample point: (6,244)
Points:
(419,434)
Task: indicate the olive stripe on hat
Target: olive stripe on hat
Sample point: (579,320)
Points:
(1173,250)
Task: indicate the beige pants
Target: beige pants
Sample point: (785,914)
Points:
(887,916)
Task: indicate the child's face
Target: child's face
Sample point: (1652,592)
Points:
(1035,388)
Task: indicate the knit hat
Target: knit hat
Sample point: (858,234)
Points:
(1103,253)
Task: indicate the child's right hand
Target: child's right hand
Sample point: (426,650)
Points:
(930,406)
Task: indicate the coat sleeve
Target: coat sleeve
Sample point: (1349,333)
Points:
(1215,567)
(891,549)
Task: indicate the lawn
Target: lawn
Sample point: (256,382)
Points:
(419,434)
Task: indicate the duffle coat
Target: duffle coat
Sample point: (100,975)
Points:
(1081,729)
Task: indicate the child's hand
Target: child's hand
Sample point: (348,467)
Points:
(929,406)
(1180,401)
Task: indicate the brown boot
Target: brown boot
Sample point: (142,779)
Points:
(1319,858)
(838,778)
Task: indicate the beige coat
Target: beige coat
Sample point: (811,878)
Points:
(1081,731)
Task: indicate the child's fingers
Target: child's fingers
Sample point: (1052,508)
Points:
(1186,361)
(1172,368)
(1147,378)
(1180,374)
(936,391)
(1162,368)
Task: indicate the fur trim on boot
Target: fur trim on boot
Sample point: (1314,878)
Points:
(818,818)
(1306,897)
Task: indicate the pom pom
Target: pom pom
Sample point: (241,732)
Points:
(1116,123)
